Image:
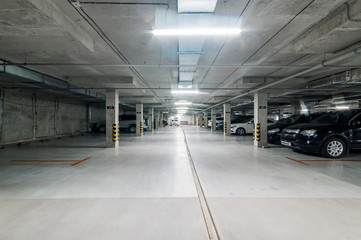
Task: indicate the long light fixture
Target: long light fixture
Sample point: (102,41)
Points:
(182,108)
(196,31)
(183,103)
(342,107)
(185,91)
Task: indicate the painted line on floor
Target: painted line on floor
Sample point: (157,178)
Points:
(207,215)
(323,160)
(297,161)
(75,162)
(81,161)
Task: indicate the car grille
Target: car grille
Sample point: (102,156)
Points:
(290,134)
(291,131)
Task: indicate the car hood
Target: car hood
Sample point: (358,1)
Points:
(305,126)
(277,125)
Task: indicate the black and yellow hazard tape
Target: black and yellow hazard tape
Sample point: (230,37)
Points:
(114,132)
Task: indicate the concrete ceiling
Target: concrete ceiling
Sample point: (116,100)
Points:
(109,44)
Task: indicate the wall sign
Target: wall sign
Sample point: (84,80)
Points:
(110,107)
(262,107)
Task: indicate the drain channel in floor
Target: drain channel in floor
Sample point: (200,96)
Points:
(207,215)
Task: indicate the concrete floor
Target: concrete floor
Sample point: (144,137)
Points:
(145,190)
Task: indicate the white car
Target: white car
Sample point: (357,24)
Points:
(245,127)
(218,121)
(175,122)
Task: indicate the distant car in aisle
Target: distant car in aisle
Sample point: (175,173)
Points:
(175,122)
(245,127)
(332,134)
(274,130)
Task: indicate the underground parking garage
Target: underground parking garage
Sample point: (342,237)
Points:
(206,119)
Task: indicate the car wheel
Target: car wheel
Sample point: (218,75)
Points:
(334,148)
(132,128)
(240,131)
(101,129)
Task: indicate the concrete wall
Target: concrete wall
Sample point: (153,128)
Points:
(30,115)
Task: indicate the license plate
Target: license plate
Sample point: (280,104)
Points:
(288,144)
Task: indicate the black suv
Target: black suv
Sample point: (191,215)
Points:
(274,130)
(332,134)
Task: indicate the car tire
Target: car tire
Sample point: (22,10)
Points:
(101,128)
(334,148)
(132,128)
(240,131)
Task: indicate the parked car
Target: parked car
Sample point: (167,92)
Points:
(126,122)
(241,119)
(218,121)
(274,130)
(332,134)
(245,127)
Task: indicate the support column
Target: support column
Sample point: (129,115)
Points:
(201,121)
(151,120)
(158,120)
(205,120)
(213,119)
(139,119)
(197,120)
(227,119)
(112,119)
(295,108)
(281,113)
(260,119)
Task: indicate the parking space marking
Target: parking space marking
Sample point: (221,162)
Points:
(323,160)
(297,161)
(75,162)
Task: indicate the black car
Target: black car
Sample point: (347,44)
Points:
(274,130)
(332,134)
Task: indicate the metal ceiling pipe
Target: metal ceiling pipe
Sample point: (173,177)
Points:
(323,64)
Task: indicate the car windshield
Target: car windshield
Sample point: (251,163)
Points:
(334,117)
(289,120)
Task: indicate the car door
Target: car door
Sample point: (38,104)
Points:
(355,131)
(249,126)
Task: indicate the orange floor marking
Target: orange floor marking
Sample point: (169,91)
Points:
(75,161)
(81,161)
(131,140)
(322,160)
(297,161)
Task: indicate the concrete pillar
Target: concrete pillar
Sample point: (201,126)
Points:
(295,108)
(139,119)
(151,120)
(227,119)
(201,121)
(206,120)
(213,119)
(111,119)
(158,120)
(281,113)
(260,117)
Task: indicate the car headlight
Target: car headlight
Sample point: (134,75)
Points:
(309,132)
(232,126)
(274,130)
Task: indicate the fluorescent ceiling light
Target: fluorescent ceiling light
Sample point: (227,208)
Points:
(197,31)
(182,108)
(185,91)
(183,103)
(185,86)
(342,107)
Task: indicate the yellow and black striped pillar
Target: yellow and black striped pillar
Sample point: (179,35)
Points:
(141,127)
(225,127)
(258,132)
(118,132)
(114,132)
